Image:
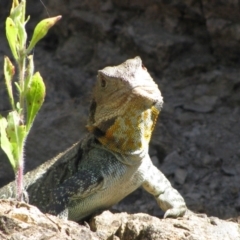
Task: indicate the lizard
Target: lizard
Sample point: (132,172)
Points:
(112,160)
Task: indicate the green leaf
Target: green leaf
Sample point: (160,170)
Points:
(18,107)
(28,18)
(16,133)
(9,71)
(15,3)
(34,98)
(5,143)
(11,33)
(22,35)
(16,10)
(41,30)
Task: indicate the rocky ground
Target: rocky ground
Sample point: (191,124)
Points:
(23,221)
(192,50)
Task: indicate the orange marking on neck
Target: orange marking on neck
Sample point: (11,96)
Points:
(133,130)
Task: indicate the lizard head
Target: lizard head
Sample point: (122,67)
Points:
(122,97)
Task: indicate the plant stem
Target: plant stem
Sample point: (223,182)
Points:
(19,180)
(19,176)
(22,69)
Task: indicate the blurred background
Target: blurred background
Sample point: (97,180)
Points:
(192,50)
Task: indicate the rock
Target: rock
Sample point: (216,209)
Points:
(237,203)
(228,170)
(223,28)
(155,161)
(67,53)
(23,221)
(208,160)
(180,175)
(204,104)
(142,226)
(171,163)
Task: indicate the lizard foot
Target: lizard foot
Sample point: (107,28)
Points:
(175,212)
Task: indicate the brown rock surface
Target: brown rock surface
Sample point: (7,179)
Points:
(23,221)
(142,226)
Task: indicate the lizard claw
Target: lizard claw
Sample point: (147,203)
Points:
(175,212)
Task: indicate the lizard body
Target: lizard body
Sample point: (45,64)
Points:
(112,160)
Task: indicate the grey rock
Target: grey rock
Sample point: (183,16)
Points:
(204,104)
(172,162)
(237,203)
(155,161)
(228,170)
(208,160)
(180,175)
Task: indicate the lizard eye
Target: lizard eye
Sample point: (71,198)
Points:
(103,82)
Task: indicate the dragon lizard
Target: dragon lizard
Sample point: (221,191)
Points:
(112,160)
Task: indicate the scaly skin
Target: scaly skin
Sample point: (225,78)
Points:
(113,160)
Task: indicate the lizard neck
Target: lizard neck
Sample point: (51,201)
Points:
(130,132)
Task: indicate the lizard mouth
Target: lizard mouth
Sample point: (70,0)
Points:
(151,93)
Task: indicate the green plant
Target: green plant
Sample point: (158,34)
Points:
(30,87)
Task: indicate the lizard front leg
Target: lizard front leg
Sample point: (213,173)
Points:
(168,198)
